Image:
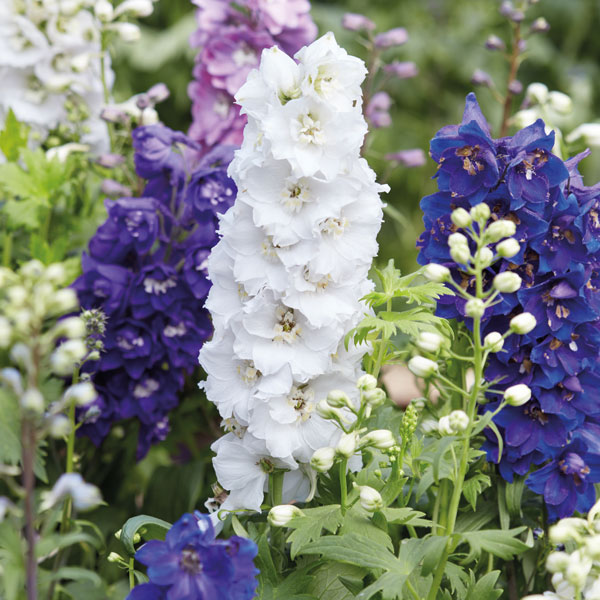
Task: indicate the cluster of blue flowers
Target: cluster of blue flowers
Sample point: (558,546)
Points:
(190,563)
(146,269)
(558,228)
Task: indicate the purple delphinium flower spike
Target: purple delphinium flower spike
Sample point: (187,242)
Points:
(558,231)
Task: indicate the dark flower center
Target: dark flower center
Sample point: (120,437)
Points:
(535,413)
(190,561)
(572,464)
(470,163)
(266,465)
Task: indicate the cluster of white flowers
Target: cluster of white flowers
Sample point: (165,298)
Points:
(51,62)
(575,570)
(290,268)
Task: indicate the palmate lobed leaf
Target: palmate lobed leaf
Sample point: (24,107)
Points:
(308,527)
(502,543)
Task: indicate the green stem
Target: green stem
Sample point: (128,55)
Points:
(382,346)
(29,443)
(412,590)
(131,573)
(7,250)
(343,484)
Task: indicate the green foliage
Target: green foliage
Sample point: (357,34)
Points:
(149,528)
(499,542)
(308,527)
(13,137)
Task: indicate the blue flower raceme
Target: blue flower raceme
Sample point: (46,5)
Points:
(146,269)
(553,437)
(192,565)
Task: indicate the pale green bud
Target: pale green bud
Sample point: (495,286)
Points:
(338,399)
(578,569)
(381,439)
(429,341)
(557,562)
(32,401)
(59,426)
(480,212)
(55,273)
(508,248)
(71,327)
(322,459)
(517,395)
(537,93)
(498,230)
(81,393)
(592,546)
(104,10)
(136,8)
(280,516)
(422,367)
(493,341)
(444,426)
(459,420)
(346,447)
(20,354)
(436,273)
(366,382)
(486,257)
(523,323)
(5,332)
(507,282)
(326,411)
(67,355)
(560,102)
(32,269)
(461,218)
(113,557)
(460,254)
(374,397)
(370,499)
(17,295)
(457,239)
(475,308)
(63,301)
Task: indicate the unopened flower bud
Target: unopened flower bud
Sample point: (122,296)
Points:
(500,229)
(461,218)
(437,273)
(280,516)
(507,282)
(322,459)
(32,401)
(589,133)
(80,62)
(481,77)
(110,161)
(366,382)
(578,569)
(136,8)
(20,354)
(103,10)
(81,393)
(59,426)
(537,93)
(523,323)
(326,411)
(113,557)
(128,32)
(379,438)
(459,420)
(374,397)
(429,341)
(159,92)
(508,248)
(143,101)
(475,308)
(494,43)
(592,546)
(457,239)
(71,327)
(357,22)
(12,378)
(560,102)
(370,498)
(460,254)
(112,114)
(565,530)
(493,342)
(405,69)
(540,25)
(391,38)
(517,395)
(557,562)
(422,367)
(480,212)
(63,301)
(486,257)
(515,87)
(444,427)
(346,447)
(338,399)
(110,187)
(67,355)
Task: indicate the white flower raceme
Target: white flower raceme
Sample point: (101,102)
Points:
(51,67)
(290,269)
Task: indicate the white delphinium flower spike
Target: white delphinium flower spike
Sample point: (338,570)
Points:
(290,269)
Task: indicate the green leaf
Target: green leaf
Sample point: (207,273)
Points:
(10,443)
(335,581)
(78,574)
(13,137)
(458,579)
(24,213)
(50,543)
(473,487)
(474,521)
(433,548)
(514,495)
(483,588)
(264,562)
(353,549)
(150,528)
(357,520)
(308,527)
(406,516)
(499,542)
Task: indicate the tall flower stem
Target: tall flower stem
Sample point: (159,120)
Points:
(28,440)
(343,484)
(512,76)
(471,407)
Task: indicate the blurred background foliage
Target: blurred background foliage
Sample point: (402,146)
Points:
(446,41)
